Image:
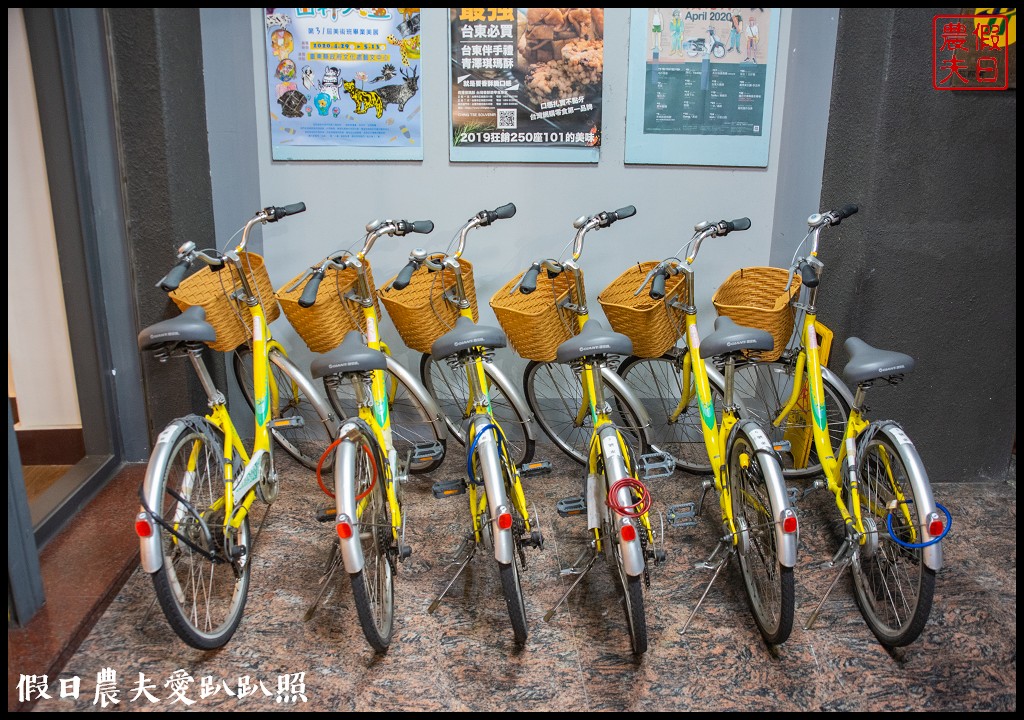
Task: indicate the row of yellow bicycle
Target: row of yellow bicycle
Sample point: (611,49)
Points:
(751,409)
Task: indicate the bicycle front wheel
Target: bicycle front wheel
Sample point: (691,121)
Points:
(450,388)
(555,397)
(373,587)
(202,599)
(893,586)
(768,583)
(411,423)
(658,384)
(762,390)
(305,443)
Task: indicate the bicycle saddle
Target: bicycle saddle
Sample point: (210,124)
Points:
(466,335)
(190,326)
(868,363)
(593,340)
(729,337)
(351,356)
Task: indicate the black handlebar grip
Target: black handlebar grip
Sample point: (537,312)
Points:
(276,213)
(308,297)
(658,285)
(844,212)
(529,283)
(405,276)
(504,212)
(808,275)
(173,279)
(421,226)
(737,224)
(623,213)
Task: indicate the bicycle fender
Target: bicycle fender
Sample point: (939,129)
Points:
(777,496)
(290,369)
(612,378)
(151,557)
(925,505)
(837,383)
(345,496)
(425,398)
(494,484)
(614,470)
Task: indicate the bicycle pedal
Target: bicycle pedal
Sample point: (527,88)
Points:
(534,539)
(326,514)
(570,506)
(782,446)
(404,552)
(427,450)
(447,488)
(656,465)
(530,469)
(292,421)
(682,515)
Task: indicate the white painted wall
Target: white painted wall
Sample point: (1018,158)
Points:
(342,196)
(37,331)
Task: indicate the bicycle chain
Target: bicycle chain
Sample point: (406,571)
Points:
(643,550)
(518,531)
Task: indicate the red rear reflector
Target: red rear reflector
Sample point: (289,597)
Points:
(935,527)
(505,521)
(143,528)
(789,524)
(344,530)
(628,532)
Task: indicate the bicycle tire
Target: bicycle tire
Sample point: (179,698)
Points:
(554,395)
(762,389)
(769,584)
(893,587)
(373,587)
(307,443)
(632,600)
(513,591)
(410,421)
(192,589)
(657,383)
(450,388)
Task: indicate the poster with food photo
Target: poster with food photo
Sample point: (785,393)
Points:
(526,84)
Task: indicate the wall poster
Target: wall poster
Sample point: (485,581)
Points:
(344,83)
(701,82)
(526,84)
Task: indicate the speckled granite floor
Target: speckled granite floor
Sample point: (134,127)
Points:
(462,657)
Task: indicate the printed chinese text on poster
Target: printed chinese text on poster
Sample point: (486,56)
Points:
(526,84)
(706,72)
(344,83)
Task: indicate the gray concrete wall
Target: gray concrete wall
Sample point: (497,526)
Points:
(928,266)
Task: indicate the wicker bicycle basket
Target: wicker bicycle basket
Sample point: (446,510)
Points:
(651,324)
(756,297)
(212,290)
(324,324)
(420,311)
(536,324)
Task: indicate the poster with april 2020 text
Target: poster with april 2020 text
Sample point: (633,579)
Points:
(701,82)
(344,83)
(526,84)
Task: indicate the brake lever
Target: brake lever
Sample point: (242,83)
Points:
(654,271)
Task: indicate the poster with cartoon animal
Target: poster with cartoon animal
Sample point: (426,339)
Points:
(343,83)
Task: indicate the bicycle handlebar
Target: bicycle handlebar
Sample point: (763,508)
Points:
(172,280)
(308,297)
(529,282)
(278,213)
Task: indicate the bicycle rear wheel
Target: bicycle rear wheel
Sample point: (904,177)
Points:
(202,599)
(762,389)
(658,384)
(555,395)
(373,587)
(632,597)
(411,423)
(769,584)
(306,443)
(450,388)
(893,586)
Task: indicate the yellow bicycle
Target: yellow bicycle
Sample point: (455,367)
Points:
(500,520)
(201,482)
(759,525)
(893,525)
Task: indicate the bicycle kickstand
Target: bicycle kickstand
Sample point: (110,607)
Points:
(574,570)
(843,558)
(709,565)
(469,542)
(333,563)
